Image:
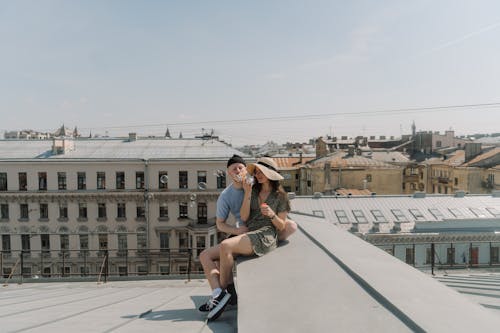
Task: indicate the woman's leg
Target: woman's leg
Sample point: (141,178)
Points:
(239,245)
(290,228)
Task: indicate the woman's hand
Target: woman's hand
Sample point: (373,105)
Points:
(266,210)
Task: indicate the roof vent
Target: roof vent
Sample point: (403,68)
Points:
(419,194)
(291,195)
(459,194)
(317,195)
(495,194)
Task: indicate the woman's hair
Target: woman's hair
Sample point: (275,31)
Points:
(276,187)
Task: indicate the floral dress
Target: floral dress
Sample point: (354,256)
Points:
(263,233)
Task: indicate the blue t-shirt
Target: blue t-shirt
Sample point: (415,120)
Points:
(230,201)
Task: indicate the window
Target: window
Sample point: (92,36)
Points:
(121,210)
(200,244)
(101,180)
(417,214)
(139,180)
(103,241)
(436,213)
(438,144)
(342,216)
(221,179)
(24,211)
(81,181)
(23,181)
(183,179)
(63,211)
(6,244)
(359,216)
(456,212)
(61,180)
(84,242)
(141,240)
(183,240)
(4,211)
(164,211)
(456,181)
(477,212)
(164,241)
(163,180)
(450,255)
(494,258)
(25,243)
(410,256)
(202,213)
(45,241)
(42,181)
(120,180)
(122,245)
(428,256)
(212,240)
(398,214)
(101,210)
(82,211)
(64,241)
(44,212)
(379,217)
(141,212)
(202,177)
(3,181)
(369,178)
(183,210)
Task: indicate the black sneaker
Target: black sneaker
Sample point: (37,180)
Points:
(219,304)
(205,307)
(234,297)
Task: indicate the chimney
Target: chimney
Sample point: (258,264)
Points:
(472,149)
(320,148)
(132,137)
(61,146)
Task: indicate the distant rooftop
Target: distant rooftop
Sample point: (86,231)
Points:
(119,148)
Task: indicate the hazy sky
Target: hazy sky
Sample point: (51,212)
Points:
(252,70)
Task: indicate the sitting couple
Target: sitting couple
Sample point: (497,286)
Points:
(260,210)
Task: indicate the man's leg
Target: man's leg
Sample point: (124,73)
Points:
(290,228)
(208,259)
(239,245)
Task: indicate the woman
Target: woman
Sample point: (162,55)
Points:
(264,209)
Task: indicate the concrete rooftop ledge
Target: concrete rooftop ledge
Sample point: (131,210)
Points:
(328,280)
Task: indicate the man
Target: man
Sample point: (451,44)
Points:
(230,201)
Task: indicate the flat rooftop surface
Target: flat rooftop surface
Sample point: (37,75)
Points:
(109,307)
(482,287)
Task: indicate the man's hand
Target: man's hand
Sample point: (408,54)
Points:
(241,230)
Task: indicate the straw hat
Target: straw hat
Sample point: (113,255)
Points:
(267,166)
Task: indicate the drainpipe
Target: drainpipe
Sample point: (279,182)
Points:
(146,205)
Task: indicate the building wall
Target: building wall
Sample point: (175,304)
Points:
(151,197)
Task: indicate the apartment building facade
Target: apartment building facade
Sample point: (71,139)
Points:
(147,204)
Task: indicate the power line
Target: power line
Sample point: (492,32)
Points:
(313,116)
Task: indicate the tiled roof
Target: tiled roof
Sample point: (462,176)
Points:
(483,156)
(342,159)
(290,162)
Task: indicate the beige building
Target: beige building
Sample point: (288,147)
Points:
(66,203)
(351,171)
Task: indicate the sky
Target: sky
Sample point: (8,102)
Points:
(253,71)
